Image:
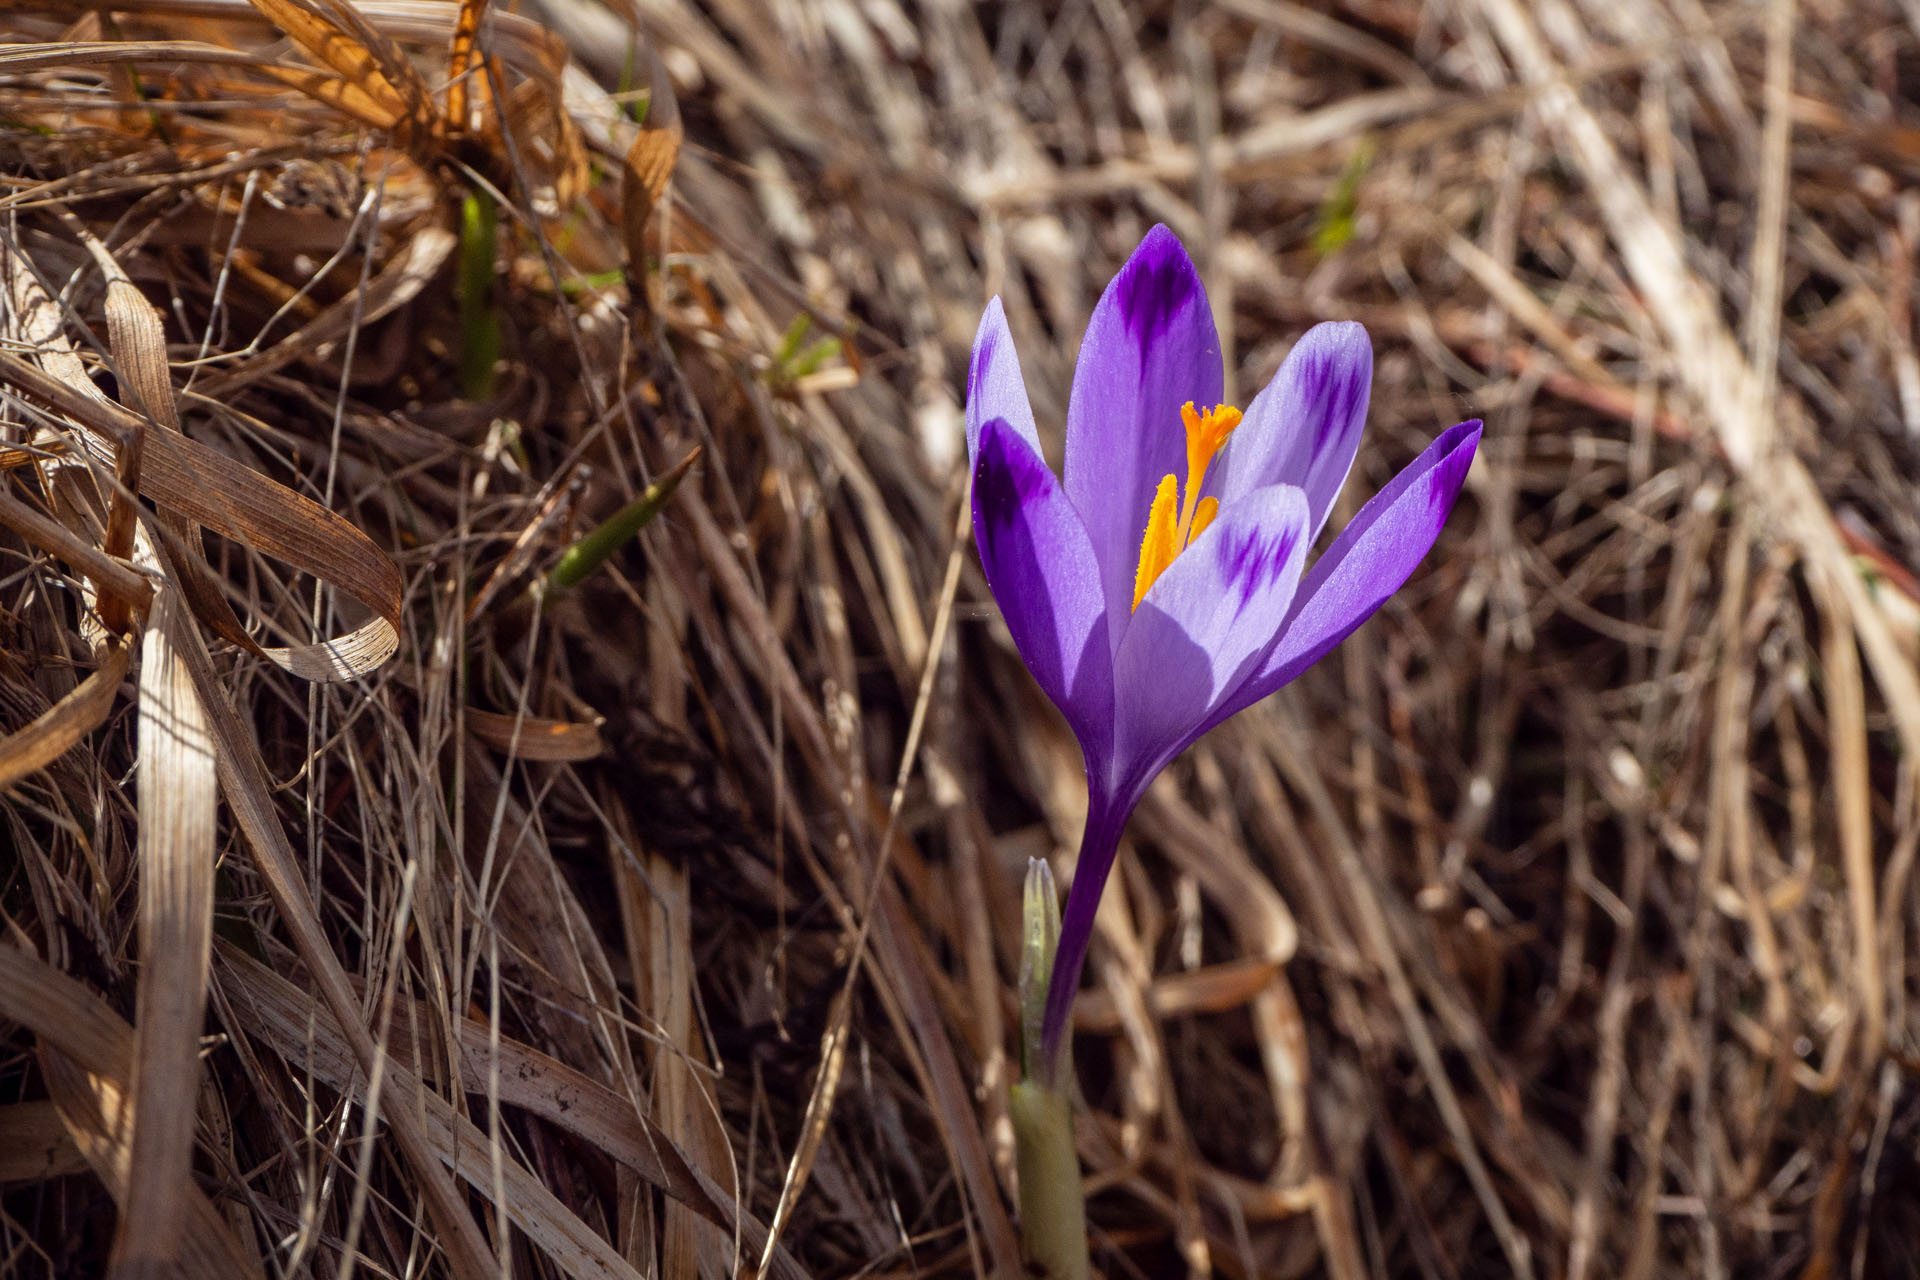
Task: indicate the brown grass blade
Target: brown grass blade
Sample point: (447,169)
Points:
(110,577)
(96,1110)
(138,344)
(528,1079)
(644,178)
(349,97)
(1638,843)
(880,920)
(376,74)
(1708,360)
(86,1053)
(677,1092)
(177,792)
(249,797)
(19,59)
(1207,990)
(214,490)
(300,1029)
(813,1123)
(1847,710)
(39,323)
(58,729)
(464,77)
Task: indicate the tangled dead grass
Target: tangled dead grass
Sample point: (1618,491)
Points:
(430,894)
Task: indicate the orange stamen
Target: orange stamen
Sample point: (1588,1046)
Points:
(1203,515)
(1206,433)
(1161,544)
(1167,537)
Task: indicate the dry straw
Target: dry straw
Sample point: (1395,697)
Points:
(378,901)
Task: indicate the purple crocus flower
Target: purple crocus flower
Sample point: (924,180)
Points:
(1159,588)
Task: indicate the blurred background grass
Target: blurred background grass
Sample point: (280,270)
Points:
(661,890)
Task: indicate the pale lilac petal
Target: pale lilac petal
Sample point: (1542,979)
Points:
(1204,625)
(1368,562)
(1150,348)
(994,386)
(1040,566)
(1304,426)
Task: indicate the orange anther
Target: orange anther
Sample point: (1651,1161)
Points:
(1161,543)
(1203,515)
(1166,536)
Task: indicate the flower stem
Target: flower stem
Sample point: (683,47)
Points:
(1053,1212)
(1105,820)
(1053,1209)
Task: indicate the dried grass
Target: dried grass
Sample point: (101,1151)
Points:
(661,922)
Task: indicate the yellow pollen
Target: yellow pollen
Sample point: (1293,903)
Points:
(1166,536)
(1162,542)
(1203,516)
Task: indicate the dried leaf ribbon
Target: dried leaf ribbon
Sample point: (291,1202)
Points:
(222,494)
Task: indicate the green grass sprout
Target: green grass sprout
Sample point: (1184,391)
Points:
(591,551)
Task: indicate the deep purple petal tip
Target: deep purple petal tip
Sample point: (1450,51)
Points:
(1337,373)
(1157,283)
(1443,485)
(1150,347)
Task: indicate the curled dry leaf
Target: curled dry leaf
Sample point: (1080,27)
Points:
(48,736)
(239,503)
(649,166)
(139,349)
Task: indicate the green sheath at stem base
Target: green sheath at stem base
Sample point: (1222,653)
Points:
(1053,1213)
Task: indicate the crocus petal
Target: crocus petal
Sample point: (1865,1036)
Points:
(1304,427)
(1040,565)
(1150,347)
(994,385)
(1203,627)
(1367,563)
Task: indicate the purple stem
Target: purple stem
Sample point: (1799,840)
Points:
(1105,821)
